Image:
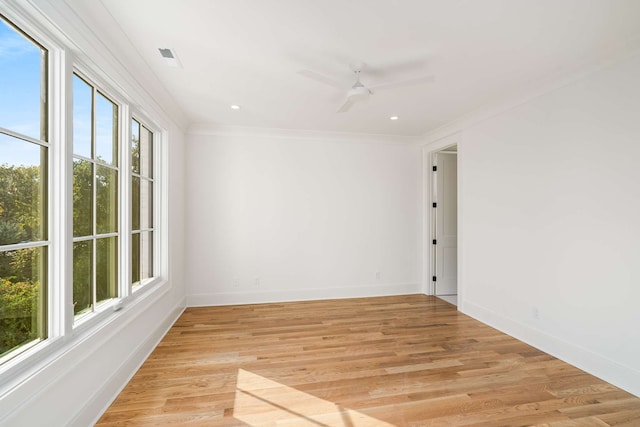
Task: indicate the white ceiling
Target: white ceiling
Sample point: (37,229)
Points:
(248,52)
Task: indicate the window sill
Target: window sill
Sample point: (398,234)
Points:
(43,355)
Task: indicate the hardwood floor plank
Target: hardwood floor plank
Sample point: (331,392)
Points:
(409,360)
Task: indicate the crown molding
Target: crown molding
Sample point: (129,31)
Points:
(614,55)
(297,134)
(107,54)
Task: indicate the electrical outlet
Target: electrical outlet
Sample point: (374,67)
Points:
(236,282)
(377,275)
(257,281)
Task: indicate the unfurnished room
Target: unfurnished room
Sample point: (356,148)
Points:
(320,213)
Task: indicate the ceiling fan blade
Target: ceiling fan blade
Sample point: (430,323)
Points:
(408,82)
(383,70)
(322,79)
(348,103)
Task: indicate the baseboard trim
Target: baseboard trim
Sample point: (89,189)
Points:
(288,295)
(104,397)
(608,370)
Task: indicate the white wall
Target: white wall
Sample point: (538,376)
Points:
(311,217)
(550,222)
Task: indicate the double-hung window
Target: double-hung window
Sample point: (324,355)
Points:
(24,161)
(95,197)
(142,218)
(79,179)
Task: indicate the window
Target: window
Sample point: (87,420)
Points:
(142,219)
(24,153)
(78,221)
(95,197)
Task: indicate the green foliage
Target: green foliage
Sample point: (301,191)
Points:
(22,216)
(21,213)
(82,198)
(20,204)
(18,302)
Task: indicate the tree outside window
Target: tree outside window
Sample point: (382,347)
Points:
(24,152)
(95,197)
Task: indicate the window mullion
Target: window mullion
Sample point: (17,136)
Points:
(63,99)
(125,201)
(94,201)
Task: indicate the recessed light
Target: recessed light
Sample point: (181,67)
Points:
(235,107)
(393,118)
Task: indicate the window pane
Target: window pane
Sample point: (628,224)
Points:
(146,152)
(107,200)
(106,268)
(23,92)
(135,146)
(146,204)
(82,276)
(142,257)
(22,297)
(106,119)
(141,203)
(146,255)
(82,198)
(135,203)
(22,190)
(135,258)
(82,100)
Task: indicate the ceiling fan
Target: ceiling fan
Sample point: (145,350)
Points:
(358,92)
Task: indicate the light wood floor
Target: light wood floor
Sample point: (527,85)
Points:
(392,361)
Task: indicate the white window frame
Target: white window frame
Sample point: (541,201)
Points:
(98,88)
(55,194)
(158,173)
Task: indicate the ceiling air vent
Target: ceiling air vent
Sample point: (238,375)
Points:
(170,58)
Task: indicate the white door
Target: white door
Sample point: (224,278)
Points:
(446,245)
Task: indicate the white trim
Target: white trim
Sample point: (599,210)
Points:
(26,245)
(309,135)
(124,194)
(621,376)
(427,247)
(427,199)
(161,236)
(94,236)
(27,138)
(92,410)
(64,179)
(94,53)
(20,391)
(234,298)
(492,109)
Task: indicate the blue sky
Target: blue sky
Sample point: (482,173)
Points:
(19,96)
(20,64)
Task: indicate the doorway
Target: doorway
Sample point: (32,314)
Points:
(444,227)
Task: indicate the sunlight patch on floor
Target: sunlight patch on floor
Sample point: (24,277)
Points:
(260,401)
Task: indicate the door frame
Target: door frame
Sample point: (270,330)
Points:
(428,252)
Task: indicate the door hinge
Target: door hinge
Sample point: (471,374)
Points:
(435,205)
(433,278)
(434,168)
(435,242)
